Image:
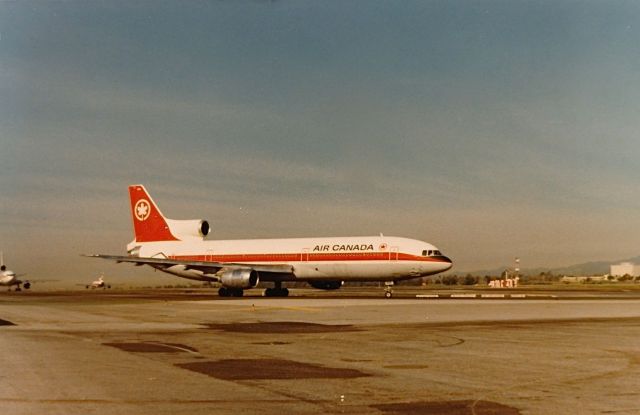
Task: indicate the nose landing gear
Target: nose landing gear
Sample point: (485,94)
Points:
(388,291)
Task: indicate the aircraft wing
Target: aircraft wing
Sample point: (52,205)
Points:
(206,267)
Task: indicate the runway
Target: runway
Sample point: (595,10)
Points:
(168,354)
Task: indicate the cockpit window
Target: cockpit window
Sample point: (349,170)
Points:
(424,253)
(438,253)
(431,252)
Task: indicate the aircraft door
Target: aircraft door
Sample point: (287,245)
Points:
(393,253)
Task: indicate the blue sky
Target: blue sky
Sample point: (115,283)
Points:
(492,129)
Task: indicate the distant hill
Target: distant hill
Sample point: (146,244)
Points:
(587,268)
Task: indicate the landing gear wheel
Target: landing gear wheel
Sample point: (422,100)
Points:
(276,292)
(230,292)
(388,291)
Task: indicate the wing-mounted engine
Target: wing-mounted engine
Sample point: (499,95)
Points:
(326,285)
(239,278)
(189,229)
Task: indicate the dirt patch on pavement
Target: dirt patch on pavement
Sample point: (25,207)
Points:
(151,347)
(521,324)
(281,327)
(6,323)
(447,408)
(251,369)
(271,343)
(408,367)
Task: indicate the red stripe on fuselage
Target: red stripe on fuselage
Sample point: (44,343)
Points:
(308,257)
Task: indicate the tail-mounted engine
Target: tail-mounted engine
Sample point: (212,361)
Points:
(240,278)
(189,229)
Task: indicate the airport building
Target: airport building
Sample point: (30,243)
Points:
(625,268)
(594,278)
(505,283)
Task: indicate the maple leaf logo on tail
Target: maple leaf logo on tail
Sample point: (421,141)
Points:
(142,210)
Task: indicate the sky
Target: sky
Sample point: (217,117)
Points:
(492,129)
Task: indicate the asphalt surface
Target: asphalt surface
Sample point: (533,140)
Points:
(158,352)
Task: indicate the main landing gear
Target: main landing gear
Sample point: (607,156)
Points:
(230,292)
(276,291)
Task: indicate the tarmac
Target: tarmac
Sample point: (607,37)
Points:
(185,352)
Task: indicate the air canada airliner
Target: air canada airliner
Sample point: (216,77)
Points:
(179,247)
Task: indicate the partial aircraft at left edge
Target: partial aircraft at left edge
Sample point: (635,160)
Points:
(9,278)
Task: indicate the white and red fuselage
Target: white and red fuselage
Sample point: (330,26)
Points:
(366,258)
(179,247)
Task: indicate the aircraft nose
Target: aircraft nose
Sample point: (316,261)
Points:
(446,262)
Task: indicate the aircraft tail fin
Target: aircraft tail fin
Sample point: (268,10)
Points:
(149,224)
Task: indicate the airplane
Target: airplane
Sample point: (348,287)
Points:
(99,283)
(179,247)
(9,278)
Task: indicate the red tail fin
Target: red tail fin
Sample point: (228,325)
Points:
(148,223)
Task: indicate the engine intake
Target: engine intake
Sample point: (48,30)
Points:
(240,278)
